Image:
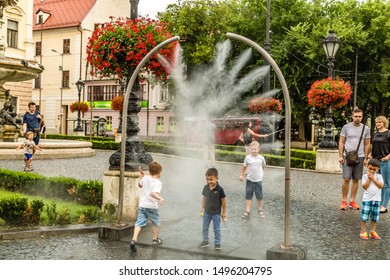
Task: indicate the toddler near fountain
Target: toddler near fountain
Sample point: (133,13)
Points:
(149,198)
(29,148)
(254,164)
(213,201)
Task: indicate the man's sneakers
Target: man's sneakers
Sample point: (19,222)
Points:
(343,205)
(374,235)
(352,204)
(133,248)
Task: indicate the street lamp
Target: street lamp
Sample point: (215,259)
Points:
(331,45)
(62,84)
(79,85)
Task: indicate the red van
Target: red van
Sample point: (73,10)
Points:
(228,129)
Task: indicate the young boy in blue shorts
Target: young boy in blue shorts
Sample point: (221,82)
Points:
(372,184)
(149,198)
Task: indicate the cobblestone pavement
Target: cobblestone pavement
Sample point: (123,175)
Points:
(316,221)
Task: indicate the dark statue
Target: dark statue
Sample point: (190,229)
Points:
(7,115)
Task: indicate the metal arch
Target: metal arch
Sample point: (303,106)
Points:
(287,139)
(124,120)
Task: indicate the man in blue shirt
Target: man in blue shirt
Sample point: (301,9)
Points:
(32,121)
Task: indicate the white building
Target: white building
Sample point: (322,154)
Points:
(61,32)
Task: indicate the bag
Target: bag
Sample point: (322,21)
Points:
(352,157)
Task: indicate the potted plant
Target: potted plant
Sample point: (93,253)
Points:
(81,107)
(260,105)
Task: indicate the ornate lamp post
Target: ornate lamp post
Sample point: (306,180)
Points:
(79,85)
(331,45)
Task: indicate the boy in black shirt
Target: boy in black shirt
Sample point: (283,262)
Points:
(213,201)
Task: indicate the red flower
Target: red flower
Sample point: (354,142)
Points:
(262,105)
(328,91)
(123,43)
(79,106)
(117,103)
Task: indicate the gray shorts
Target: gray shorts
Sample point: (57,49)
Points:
(355,171)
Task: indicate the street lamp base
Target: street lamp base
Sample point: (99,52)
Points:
(79,129)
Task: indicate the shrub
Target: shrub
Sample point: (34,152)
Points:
(13,210)
(55,217)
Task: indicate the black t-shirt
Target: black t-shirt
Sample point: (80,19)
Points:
(213,199)
(380,144)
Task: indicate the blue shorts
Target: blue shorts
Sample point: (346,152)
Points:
(370,209)
(253,187)
(147,213)
(28,156)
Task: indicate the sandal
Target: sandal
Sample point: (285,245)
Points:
(157,241)
(246,215)
(261,213)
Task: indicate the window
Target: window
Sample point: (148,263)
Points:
(164,92)
(37,84)
(109,123)
(160,124)
(12,34)
(172,124)
(38,48)
(66,46)
(65,79)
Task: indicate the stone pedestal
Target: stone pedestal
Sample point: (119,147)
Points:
(115,231)
(78,133)
(130,192)
(118,137)
(296,252)
(328,160)
(9,133)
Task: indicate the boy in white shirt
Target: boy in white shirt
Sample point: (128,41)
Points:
(372,184)
(254,163)
(149,198)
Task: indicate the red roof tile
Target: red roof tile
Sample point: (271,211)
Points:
(64,13)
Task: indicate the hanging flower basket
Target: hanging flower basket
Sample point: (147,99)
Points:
(118,46)
(81,107)
(117,103)
(260,105)
(327,92)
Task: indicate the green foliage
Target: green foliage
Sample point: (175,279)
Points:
(13,210)
(57,217)
(90,215)
(85,192)
(109,211)
(36,210)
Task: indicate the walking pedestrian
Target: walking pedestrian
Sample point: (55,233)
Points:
(354,136)
(32,121)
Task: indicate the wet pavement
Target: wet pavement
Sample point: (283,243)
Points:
(316,221)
